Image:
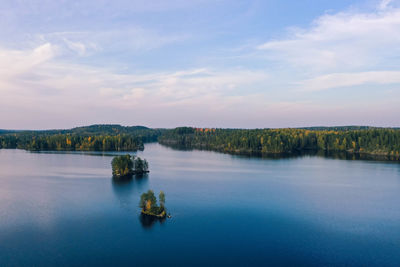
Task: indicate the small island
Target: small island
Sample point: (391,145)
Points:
(126,165)
(148,204)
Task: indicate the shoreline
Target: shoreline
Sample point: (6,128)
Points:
(163,214)
(338,154)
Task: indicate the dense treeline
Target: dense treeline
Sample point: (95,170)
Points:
(378,141)
(352,139)
(90,138)
(338,128)
(72,142)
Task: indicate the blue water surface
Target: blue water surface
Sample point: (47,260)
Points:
(64,209)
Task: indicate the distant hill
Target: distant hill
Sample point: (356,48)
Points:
(338,128)
(108,129)
(99,137)
(115,129)
(96,129)
(3,131)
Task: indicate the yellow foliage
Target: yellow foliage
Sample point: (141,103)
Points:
(148,204)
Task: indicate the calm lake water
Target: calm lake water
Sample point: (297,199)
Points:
(63,209)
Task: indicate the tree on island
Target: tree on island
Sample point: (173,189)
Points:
(148,204)
(140,166)
(161,198)
(122,166)
(126,165)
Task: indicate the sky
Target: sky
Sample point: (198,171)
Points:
(203,63)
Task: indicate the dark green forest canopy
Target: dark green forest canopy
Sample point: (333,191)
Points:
(354,139)
(88,138)
(338,128)
(96,129)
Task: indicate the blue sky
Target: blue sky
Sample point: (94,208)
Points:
(220,63)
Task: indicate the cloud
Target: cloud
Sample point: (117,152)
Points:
(14,62)
(70,94)
(49,81)
(77,47)
(335,80)
(345,49)
(384,4)
(126,40)
(344,41)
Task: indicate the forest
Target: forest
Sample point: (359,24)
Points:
(350,139)
(368,140)
(88,138)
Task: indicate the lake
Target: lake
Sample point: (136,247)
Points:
(64,209)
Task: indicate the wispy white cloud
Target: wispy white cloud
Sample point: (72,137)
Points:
(346,49)
(14,62)
(335,80)
(77,47)
(344,41)
(85,43)
(384,4)
(54,82)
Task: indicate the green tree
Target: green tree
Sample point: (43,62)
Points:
(161,198)
(140,166)
(122,166)
(148,202)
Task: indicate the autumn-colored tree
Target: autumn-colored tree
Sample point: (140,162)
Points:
(148,204)
(122,166)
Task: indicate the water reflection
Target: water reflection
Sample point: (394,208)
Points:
(86,153)
(126,190)
(148,221)
(257,212)
(342,155)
